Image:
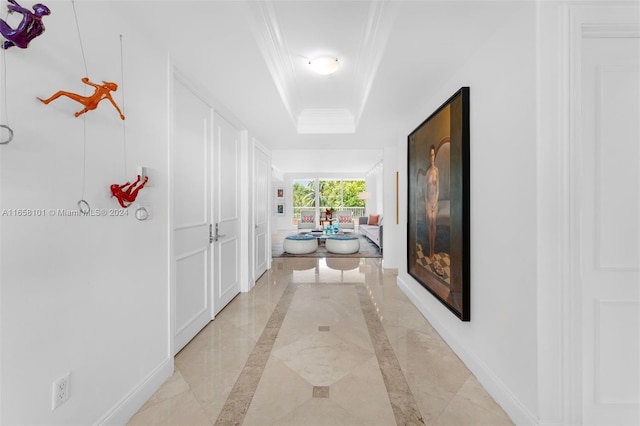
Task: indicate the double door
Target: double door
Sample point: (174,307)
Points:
(205,263)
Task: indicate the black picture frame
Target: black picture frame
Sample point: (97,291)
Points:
(438,221)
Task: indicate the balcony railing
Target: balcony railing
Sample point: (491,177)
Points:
(355,211)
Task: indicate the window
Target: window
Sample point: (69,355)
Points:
(336,194)
(304,196)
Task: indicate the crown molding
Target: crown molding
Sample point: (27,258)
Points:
(273,46)
(372,46)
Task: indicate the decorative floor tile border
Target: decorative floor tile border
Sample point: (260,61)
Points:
(238,401)
(403,403)
(405,408)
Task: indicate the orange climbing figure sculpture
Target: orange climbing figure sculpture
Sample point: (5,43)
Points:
(103,91)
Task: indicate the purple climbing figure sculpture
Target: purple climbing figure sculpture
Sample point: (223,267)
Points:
(29,28)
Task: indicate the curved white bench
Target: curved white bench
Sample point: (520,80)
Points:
(342,244)
(300,244)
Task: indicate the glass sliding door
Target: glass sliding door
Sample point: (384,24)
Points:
(331,194)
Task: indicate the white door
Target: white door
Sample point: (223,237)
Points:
(226,208)
(608,152)
(192,144)
(262,190)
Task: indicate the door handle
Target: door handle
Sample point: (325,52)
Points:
(217,235)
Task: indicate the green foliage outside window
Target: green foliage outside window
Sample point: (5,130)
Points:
(330,193)
(333,193)
(304,193)
(351,190)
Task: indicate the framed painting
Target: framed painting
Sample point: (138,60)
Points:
(280,209)
(438,204)
(280,194)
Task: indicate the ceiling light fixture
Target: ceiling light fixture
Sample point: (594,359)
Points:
(324,65)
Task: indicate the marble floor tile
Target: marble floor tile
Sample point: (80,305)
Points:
(322,358)
(181,409)
(320,342)
(174,386)
(319,412)
(363,394)
(280,392)
(463,410)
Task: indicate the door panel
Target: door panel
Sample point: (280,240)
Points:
(191,150)
(227,217)
(262,189)
(191,301)
(609,229)
(229,254)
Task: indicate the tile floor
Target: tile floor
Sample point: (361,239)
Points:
(320,342)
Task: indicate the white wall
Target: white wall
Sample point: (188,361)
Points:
(553,357)
(375,188)
(86,295)
(392,231)
(499,343)
(281,222)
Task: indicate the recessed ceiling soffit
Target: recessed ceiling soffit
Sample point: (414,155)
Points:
(338,112)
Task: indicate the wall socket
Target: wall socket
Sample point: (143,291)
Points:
(60,392)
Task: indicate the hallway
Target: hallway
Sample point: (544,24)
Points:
(320,342)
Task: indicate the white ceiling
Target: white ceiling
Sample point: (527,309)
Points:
(252,57)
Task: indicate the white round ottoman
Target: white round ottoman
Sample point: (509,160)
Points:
(343,244)
(300,244)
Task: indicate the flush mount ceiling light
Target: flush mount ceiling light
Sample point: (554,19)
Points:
(324,65)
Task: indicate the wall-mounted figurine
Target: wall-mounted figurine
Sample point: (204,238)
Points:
(29,28)
(127,193)
(103,91)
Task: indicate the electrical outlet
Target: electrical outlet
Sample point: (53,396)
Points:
(60,392)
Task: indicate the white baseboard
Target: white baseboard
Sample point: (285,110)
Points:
(129,405)
(492,384)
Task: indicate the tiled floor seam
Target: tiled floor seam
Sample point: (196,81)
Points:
(405,408)
(237,404)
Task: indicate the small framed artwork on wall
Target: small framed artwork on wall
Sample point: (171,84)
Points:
(280,209)
(279,193)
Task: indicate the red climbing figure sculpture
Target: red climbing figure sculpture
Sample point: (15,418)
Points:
(29,28)
(127,193)
(103,91)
